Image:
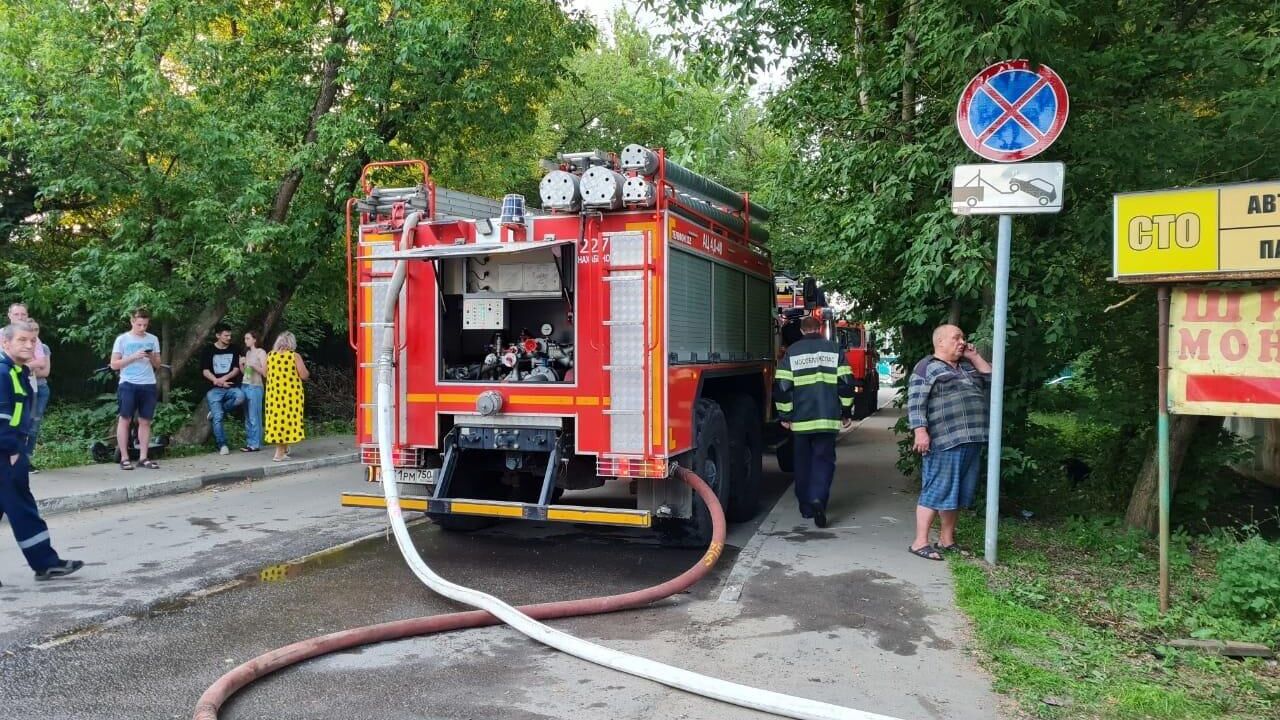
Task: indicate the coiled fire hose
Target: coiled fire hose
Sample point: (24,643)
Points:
(524,618)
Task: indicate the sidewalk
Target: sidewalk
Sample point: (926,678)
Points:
(843,614)
(92,486)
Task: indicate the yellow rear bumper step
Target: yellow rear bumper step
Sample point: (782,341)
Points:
(502,509)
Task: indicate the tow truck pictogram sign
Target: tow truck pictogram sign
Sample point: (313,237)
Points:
(1012,111)
(1015,189)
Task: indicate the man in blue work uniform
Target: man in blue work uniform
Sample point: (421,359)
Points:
(813,393)
(17,401)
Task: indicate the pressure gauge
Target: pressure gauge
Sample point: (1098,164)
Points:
(546,329)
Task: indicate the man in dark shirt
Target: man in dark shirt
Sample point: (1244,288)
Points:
(947,408)
(220,368)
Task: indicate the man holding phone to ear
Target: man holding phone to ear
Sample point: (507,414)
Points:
(947,408)
(136,355)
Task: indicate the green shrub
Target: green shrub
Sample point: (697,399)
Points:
(1248,584)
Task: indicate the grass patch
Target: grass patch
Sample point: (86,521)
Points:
(1068,622)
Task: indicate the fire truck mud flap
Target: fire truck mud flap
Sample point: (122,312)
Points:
(505,509)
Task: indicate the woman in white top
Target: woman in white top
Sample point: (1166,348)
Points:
(253,364)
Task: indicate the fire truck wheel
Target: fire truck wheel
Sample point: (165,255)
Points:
(786,454)
(746,444)
(710,459)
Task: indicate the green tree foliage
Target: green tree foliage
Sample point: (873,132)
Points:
(1163,94)
(195,157)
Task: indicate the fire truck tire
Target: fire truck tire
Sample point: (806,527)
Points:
(861,406)
(710,460)
(786,454)
(746,445)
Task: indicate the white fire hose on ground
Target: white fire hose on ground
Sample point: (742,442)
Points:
(723,690)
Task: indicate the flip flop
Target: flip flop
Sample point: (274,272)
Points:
(928,552)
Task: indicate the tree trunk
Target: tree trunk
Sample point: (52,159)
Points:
(1144,504)
(271,318)
(165,379)
(860,53)
(324,103)
(908,59)
(196,336)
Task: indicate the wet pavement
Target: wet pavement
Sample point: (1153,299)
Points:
(843,615)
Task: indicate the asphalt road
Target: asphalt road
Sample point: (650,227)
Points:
(180,589)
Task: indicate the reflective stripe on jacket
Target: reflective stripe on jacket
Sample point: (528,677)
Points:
(15,406)
(813,387)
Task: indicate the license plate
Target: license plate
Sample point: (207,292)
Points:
(417,476)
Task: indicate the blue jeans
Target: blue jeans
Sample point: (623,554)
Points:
(253,415)
(222,400)
(37,416)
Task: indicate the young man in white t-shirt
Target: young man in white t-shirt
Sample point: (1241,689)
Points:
(136,355)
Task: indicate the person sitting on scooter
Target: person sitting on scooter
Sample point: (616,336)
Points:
(136,355)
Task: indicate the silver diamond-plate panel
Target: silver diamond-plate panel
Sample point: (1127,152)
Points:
(626,249)
(626,297)
(626,389)
(626,433)
(626,345)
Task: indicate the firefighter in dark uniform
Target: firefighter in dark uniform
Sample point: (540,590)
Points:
(17,400)
(813,393)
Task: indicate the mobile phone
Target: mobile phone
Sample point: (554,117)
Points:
(147,350)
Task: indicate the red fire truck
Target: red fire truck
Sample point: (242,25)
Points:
(794,299)
(626,327)
(860,352)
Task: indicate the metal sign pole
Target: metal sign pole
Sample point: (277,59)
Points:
(1162,442)
(997,387)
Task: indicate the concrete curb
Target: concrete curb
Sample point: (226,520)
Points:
(118,495)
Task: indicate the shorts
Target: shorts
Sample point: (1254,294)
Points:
(140,399)
(949,478)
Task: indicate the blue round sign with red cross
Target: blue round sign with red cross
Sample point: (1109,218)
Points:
(1012,111)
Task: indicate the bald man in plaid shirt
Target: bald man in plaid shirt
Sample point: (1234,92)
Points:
(948,409)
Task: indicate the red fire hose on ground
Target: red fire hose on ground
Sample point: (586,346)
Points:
(235,680)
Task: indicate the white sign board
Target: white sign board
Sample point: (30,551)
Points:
(1007,189)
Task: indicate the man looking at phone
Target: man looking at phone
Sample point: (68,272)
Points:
(947,408)
(136,355)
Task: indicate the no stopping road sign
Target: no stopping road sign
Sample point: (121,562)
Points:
(1012,111)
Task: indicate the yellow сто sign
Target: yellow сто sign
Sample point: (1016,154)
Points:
(1166,233)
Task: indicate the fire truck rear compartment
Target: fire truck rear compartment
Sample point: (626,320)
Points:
(507,318)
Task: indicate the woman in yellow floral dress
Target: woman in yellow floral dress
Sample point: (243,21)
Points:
(285,373)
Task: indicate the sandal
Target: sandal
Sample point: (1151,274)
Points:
(150,464)
(928,552)
(952,548)
(126,464)
(246,448)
